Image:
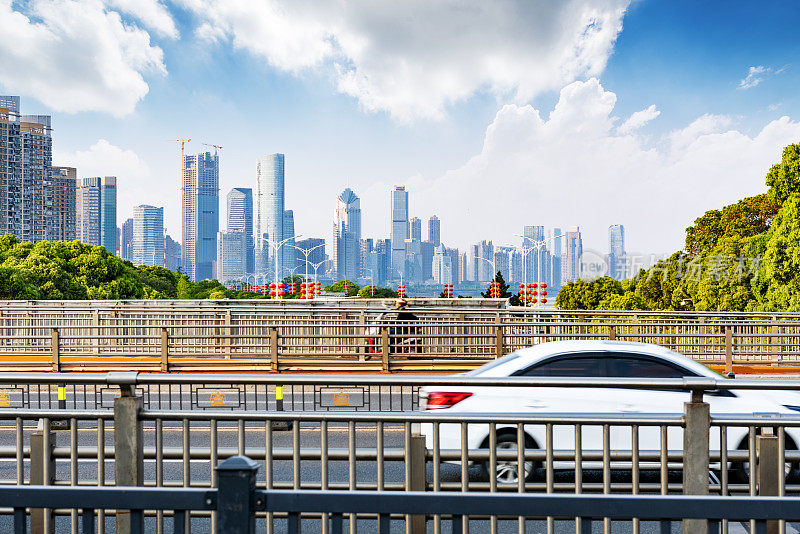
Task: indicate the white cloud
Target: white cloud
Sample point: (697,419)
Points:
(639,119)
(415,58)
(756,75)
(75,56)
(136,183)
(574,168)
(152,13)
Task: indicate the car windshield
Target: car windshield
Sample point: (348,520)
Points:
(491,365)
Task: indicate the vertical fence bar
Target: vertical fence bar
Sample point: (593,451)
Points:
(769,470)
(695,455)
(164,350)
(728,349)
(385,348)
(55,345)
(235,502)
(273,350)
(128,450)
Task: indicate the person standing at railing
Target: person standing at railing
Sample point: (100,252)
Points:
(406,327)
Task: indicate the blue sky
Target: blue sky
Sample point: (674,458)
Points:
(656,119)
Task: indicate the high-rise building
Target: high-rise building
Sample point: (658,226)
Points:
(172,254)
(413,267)
(288,250)
(463,268)
(502,261)
(399,230)
(572,257)
(442,266)
(126,240)
(435,231)
(96,212)
(231,256)
(26,185)
(148,235)
(455,263)
(200,215)
(347,236)
(415,228)
(555,265)
(60,204)
(269,210)
(240,219)
(616,252)
(481,258)
(427,250)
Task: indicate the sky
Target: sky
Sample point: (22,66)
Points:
(494,115)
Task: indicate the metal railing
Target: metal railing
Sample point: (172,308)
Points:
(434,343)
(388,451)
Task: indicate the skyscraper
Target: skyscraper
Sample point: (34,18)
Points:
(415,228)
(287,250)
(442,266)
(148,235)
(399,230)
(269,209)
(347,236)
(60,204)
(434,231)
(126,240)
(172,254)
(555,266)
(482,255)
(200,215)
(616,252)
(96,207)
(240,219)
(231,256)
(571,266)
(26,174)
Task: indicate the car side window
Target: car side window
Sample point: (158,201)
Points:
(641,367)
(573,366)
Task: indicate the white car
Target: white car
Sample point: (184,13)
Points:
(581,359)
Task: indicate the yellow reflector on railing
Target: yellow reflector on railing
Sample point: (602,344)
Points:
(278,392)
(62,393)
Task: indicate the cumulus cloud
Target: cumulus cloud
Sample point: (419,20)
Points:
(75,55)
(134,176)
(572,167)
(413,59)
(151,13)
(639,119)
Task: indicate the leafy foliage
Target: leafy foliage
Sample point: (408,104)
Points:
(379,293)
(350,289)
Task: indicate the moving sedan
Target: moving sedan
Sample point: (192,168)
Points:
(599,359)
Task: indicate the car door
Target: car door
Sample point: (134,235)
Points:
(651,402)
(569,400)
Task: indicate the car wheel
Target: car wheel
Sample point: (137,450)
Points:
(740,471)
(507,471)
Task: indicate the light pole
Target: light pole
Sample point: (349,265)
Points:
(306,254)
(276,246)
(538,245)
(491,262)
(371,282)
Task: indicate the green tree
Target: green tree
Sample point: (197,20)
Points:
(783,178)
(350,289)
(379,293)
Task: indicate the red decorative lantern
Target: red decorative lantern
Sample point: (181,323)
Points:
(544,301)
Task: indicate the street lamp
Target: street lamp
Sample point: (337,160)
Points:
(538,245)
(276,246)
(491,262)
(306,254)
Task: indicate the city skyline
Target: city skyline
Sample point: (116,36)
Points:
(625,91)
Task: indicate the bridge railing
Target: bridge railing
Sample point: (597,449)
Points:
(340,449)
(380,345)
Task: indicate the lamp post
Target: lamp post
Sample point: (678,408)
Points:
(306,253)
(538,245)
(276,246)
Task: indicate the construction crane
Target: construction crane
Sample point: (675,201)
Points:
(182,142)
(217,148)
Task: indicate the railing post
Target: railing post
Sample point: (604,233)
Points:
(697,422)
(56,347)
(769,468)
(498,338)
(228,333)
(43,469)
(128,447)
(728,349)
(612,332)
(417,476)
(775,341)
(273,349)
(164,350)
(385,349)
(236,500)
